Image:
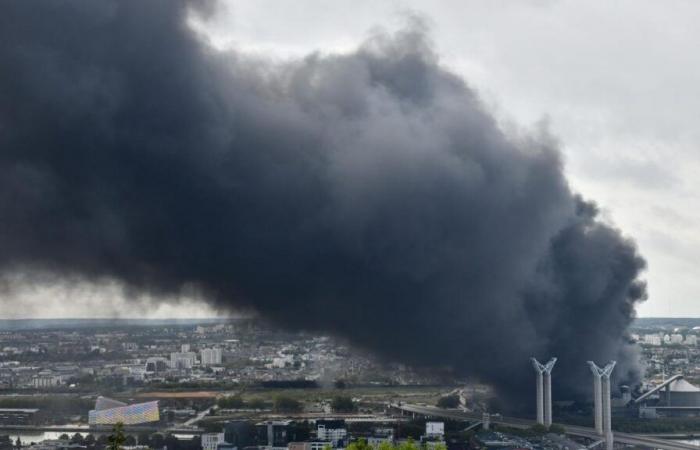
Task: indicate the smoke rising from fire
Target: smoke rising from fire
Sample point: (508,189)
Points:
(370,195)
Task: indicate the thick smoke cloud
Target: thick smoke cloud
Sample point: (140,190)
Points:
(370,195)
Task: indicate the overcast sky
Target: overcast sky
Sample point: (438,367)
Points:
(617,82)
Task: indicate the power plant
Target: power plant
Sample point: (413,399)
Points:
(544,390)
(601,401)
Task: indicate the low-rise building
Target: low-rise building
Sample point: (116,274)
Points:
(210,441)
(333,431)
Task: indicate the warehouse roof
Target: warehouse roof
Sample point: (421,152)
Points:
(683,386)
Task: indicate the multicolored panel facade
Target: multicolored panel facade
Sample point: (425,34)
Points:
(128,415)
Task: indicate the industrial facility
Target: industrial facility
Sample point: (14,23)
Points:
(673,398)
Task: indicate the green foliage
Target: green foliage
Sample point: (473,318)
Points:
(360,444)
(557,429)
(448,401)
(175,386)
(538,429)
(116,439)
(157,440)
(284,403)
(257,403)
(342,403)
(237,402)
(408,445)
(231,402)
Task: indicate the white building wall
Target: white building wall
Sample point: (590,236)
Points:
(182,360)
(211,356)
(331,434)
(211,440)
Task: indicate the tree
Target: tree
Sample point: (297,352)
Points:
(102,440)
(286,404)
(257,403)
(448,401)
(538,429)
(64,437)
(157,440)
(557,429)
(231,402)
(408,445)
(360,444)
(342,403)
(77,439)
(143,438)
(117,438)
(89,440)
(171,442)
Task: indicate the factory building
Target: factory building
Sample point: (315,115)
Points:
(673,398)
(681,393)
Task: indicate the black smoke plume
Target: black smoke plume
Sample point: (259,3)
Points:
(370,194)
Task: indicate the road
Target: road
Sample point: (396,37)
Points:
(193,421)
(622,438)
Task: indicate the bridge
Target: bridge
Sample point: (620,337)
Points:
(573,430)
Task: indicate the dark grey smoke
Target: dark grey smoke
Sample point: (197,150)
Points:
(370,195)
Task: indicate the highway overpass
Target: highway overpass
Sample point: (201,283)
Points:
(621,438)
